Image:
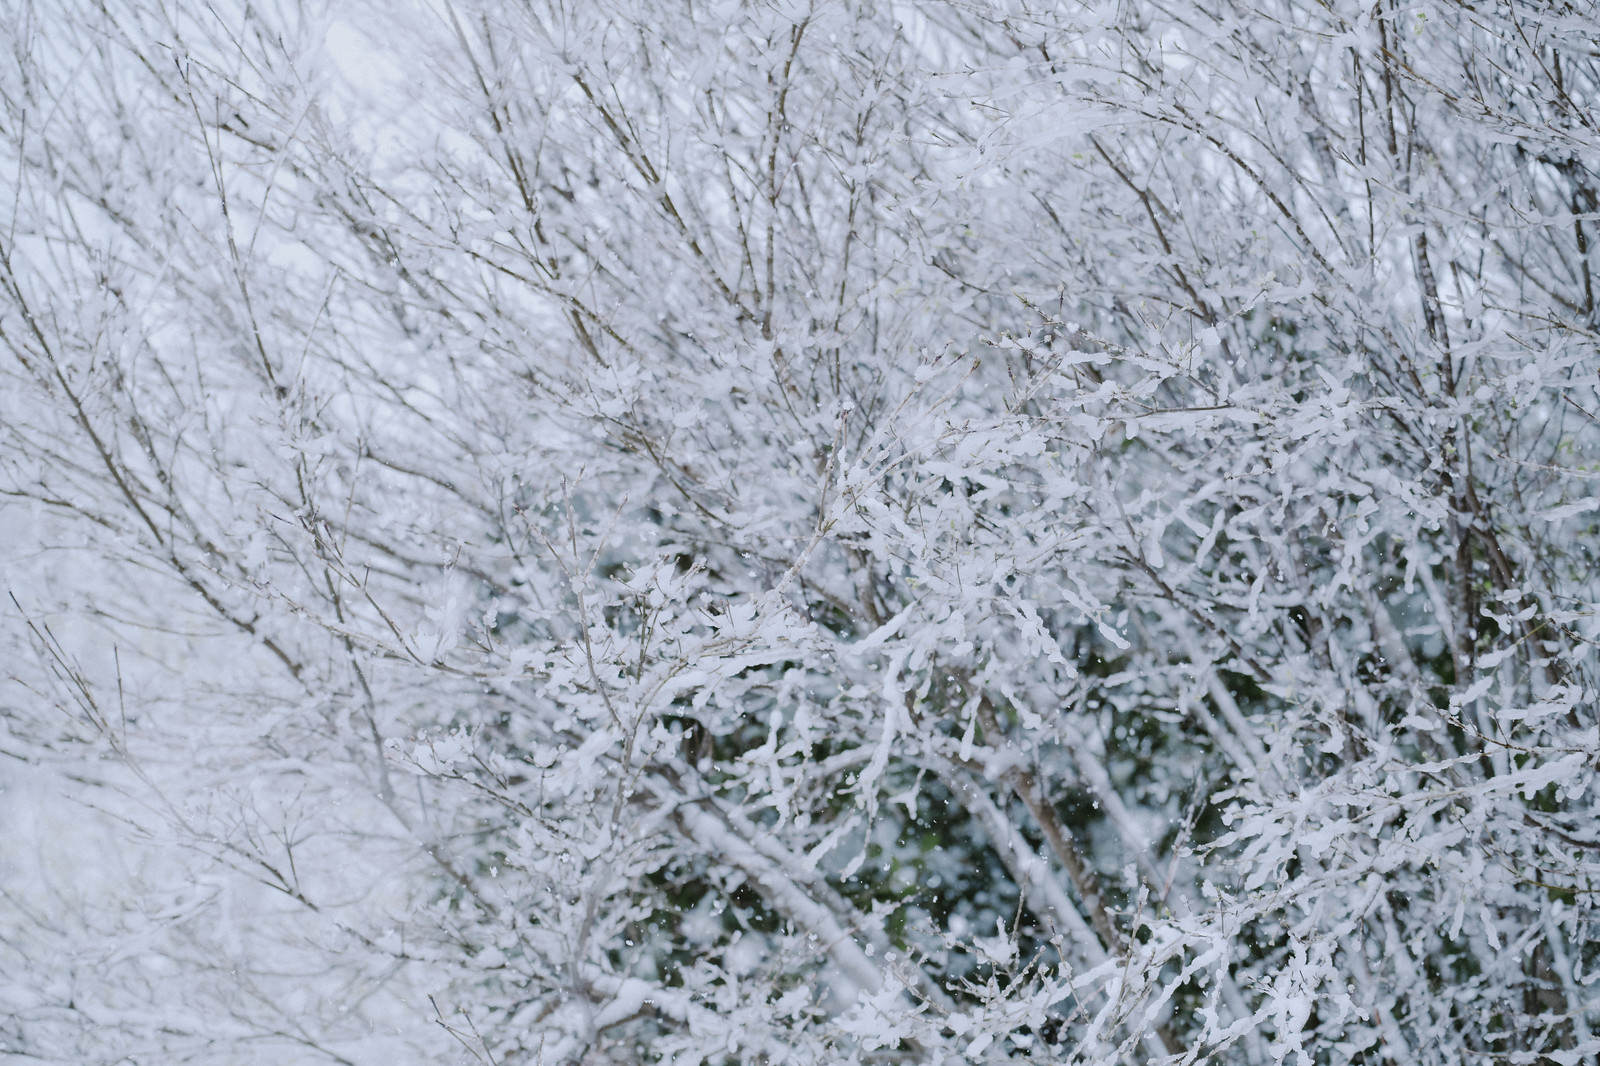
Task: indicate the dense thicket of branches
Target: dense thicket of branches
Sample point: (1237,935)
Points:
(800,532)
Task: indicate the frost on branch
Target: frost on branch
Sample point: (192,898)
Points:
(833,533)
